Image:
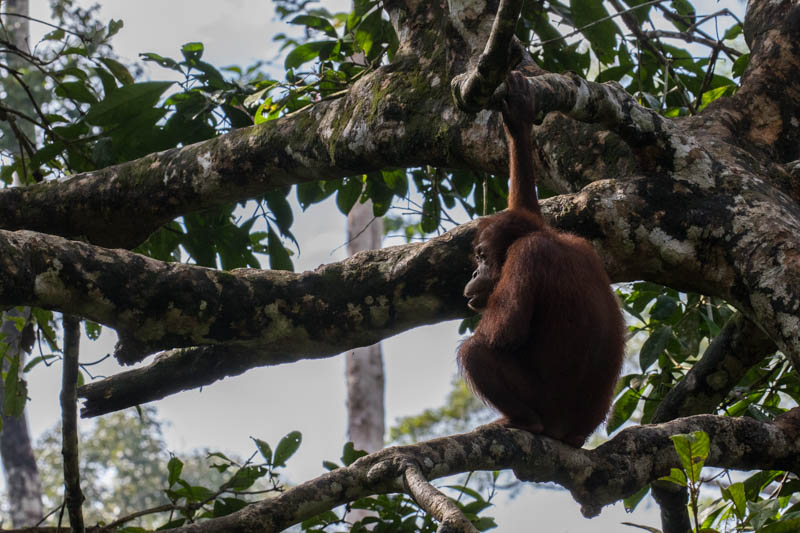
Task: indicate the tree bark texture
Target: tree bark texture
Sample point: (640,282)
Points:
(364,366)
(23,485)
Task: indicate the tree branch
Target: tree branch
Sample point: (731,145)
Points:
(155,305)
(618,468)
(473,89)
(69,424)
(326,141)
(439,506)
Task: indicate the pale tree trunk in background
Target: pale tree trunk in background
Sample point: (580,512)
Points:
(364,370)
(23,485)
(364,366)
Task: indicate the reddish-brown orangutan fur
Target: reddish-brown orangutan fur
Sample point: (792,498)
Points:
(548,349)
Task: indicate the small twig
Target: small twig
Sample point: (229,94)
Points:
(598,21)
(690,38)
(5,14)
(153,510)
(439,506)
(69,423)
(633,26)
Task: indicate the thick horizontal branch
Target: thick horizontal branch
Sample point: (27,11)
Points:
(255,318)
(384,121)
(596,478)
(156,306)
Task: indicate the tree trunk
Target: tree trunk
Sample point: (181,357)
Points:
(19,465)
(364,366)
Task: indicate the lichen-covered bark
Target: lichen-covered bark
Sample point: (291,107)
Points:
(155,305)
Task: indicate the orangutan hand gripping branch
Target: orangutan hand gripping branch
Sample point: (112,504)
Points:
(548,349)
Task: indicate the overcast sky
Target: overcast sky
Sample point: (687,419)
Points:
(309,396)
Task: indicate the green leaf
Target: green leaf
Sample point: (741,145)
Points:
(397,181)
(645,528)
(369,32)
(286,448)
(55,35)
(314,192)
(350,454)
(16,392)
(178,522)
(166,62)
(676,476)
(317,23)
(278,256)
(126,102)
(348,193)
(632,501)
(93,329)
(714,94)
(280,208)
(226,506)
(740,65)
(107,79)
(113,27)
(484,523)
(431,212)
(686,9)
(603,34)
(264,449)
(736,494)
(75,50)
(468,491)
(654,346)
(306,52)
(692,449)
(245,477)
(329,465)
(622,410)
(733,32)
(119,70)
(76,90)
(380,194)
(664,307)
(192,51)
(784,526)
(174,467)
(47,359)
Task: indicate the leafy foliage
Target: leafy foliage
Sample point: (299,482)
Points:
(761,502)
